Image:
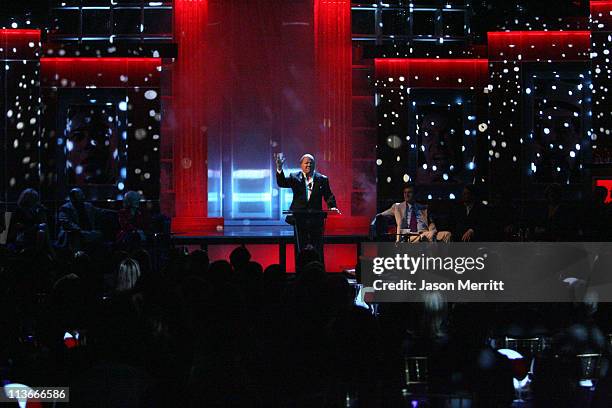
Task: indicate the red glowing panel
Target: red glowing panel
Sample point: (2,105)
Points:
(337,256)
(601,15)
(539,45)
(333,64)
(345,225)
(433,73)
(264,254)
(340,256)
(189,107)
(19,44)
(607,184)
(100,72)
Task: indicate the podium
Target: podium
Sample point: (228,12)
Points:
(308,227)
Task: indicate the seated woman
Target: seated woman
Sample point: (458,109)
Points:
(134,221)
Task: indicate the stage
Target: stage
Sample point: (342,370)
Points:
(271,244)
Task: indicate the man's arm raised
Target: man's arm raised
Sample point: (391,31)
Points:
(281,180)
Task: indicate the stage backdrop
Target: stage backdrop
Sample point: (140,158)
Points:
(254,78)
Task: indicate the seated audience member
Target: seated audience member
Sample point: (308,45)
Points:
(134,221)
(128,275)
(80,222)
(412,216)
(28,227)
(554,222)
(471,217)
(239,258)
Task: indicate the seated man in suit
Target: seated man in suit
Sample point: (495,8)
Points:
(471,217)
(412,216)
(80,222)
(555,221)
(309,190)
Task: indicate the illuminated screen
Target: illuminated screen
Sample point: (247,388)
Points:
(607,183)
(91,145)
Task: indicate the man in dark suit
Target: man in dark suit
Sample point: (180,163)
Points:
(80,222)
(471,217)
(309,190)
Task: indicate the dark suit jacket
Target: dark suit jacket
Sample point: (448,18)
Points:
(477,220)
(68,219)
(320,191)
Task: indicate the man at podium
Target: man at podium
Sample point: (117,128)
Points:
(309,190)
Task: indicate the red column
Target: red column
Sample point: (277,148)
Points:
(189,118)
(333,64)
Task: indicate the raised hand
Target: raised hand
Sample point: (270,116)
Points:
(279,159)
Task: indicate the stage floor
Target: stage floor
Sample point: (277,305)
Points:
(270,244)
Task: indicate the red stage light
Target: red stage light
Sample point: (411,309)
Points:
(433,73)
(122,60)
(19,32)
(16,44)
(539,45)
(100,72)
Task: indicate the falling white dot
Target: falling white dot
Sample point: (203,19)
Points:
(140,134)
(150,95)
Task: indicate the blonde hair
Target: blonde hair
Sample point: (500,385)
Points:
(307,156)
(128,275)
